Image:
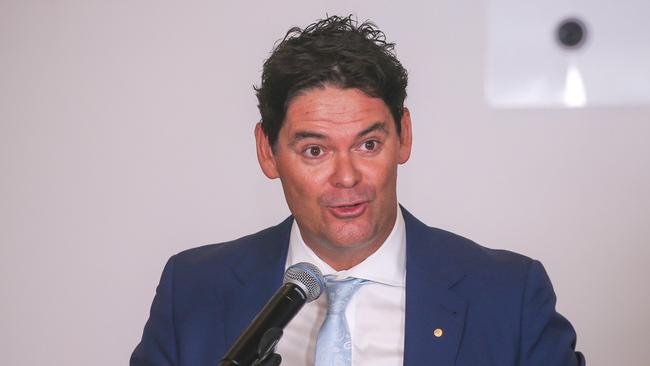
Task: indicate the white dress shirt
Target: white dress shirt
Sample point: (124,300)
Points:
(375,313)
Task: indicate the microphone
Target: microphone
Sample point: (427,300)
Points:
(303,282)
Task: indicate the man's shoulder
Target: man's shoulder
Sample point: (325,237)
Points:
(471,253)
(470,256)
(226,253)
(478,270)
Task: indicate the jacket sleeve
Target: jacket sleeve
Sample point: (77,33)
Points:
(158,344)
(548,339)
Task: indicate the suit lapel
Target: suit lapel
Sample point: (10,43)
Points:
(435,315)
(258,274)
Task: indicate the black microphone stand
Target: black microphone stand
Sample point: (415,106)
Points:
(266,355)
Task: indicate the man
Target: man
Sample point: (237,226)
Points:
(334,130)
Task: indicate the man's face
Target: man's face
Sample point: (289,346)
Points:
(337,155)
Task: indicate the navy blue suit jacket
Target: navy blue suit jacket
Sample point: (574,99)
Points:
(495,307)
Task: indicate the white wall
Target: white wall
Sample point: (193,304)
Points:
(126,136)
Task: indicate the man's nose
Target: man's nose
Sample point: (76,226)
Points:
(346,173)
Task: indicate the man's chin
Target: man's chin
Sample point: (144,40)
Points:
(350,236)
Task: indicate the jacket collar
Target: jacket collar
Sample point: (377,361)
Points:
(265,255)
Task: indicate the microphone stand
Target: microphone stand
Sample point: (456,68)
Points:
(266,355)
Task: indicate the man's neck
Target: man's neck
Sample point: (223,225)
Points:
(340,257)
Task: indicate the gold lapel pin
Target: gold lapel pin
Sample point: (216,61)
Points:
(437,333)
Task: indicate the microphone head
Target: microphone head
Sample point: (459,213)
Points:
(308,277)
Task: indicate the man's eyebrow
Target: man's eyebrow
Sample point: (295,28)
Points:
(301,135)
(377,126)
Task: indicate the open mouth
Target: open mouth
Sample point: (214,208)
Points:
(349,210)
(350,206)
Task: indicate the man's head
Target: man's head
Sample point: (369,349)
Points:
(334,130)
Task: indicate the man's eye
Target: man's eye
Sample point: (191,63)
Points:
(314,151)
(370,145)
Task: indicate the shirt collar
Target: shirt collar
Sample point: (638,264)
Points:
(387,265)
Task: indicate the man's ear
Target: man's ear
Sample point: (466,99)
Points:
(264,153)
(406,137)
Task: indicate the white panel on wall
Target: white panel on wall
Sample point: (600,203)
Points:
(559,53)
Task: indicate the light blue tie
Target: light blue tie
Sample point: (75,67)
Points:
(334,345)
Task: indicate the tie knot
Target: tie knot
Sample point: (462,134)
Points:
(339,293)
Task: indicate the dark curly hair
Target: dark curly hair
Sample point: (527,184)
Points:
(334,51)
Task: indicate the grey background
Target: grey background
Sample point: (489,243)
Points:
(126,135)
